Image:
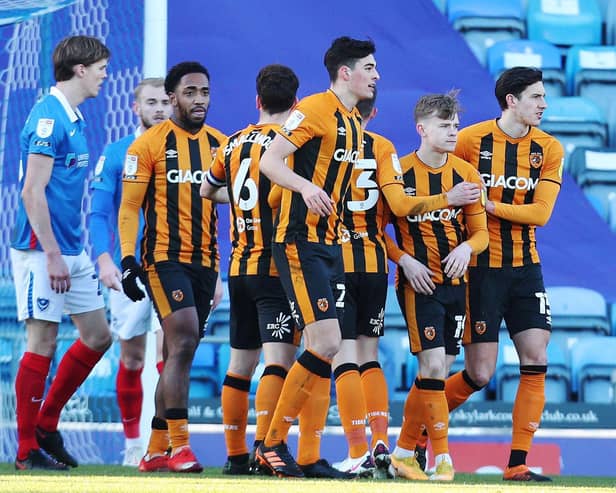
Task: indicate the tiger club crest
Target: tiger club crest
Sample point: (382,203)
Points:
(430,333)
(323,304)
(535,159)
(177,295)
(480,327)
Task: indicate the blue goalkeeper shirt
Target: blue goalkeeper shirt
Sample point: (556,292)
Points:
(106,197)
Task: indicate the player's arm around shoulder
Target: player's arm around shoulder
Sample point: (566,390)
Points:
(391,182)
(475,216)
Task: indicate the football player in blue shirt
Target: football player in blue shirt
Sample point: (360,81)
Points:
(52,272)
(130,321)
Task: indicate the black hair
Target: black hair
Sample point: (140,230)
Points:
(178,71)
(346,51)
(514,81)
(277,88)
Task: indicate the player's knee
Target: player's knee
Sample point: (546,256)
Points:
(97,340)
(132,361)
(480,375)
(433,369)
(327,348)
(533,355)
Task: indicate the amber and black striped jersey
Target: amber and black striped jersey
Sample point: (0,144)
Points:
(328,138)
(430,236)
(237,167)
(163,171)
(523,178)
(363,244)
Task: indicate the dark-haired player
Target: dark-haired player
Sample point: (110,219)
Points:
(521,168)
(163,172)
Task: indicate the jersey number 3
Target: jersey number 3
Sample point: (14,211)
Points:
(365,181)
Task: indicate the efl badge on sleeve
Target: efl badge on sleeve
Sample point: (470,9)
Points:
(100,164)
(44,127)
(293,122)
(130,165)
(396,163)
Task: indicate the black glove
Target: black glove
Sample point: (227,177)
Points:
(131,270)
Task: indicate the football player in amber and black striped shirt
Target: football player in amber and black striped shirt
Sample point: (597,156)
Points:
(436,250)
(377,187)
(521,168)
(163,171)
(260,313)
(322,139)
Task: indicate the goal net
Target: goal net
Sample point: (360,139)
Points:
(29,30)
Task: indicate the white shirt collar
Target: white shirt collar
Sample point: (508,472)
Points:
(73,114)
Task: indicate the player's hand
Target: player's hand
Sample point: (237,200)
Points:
(59,276)
(456,262)
(490,207)
(108,272)
(131,271)
(317,200)
(419,276)
(464,193)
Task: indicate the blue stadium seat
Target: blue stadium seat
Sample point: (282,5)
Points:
(523,52)
(588,164)
(558,378)
(484,22)
(205,366)
(595,171)
(203,388)
(591,72)
(575,121)
(593,367)
(611,122)
(597,166)
(564,24)
(601,196)
(610,22)
(578,309)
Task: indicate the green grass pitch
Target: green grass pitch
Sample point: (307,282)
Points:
(116,479)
